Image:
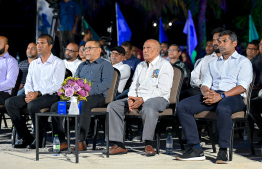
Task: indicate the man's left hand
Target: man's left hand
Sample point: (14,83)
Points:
(211,100)
(31,96)
(138,102)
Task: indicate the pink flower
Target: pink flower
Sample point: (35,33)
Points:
(67,86)
(71,82)
(80,82)
(76,87)
(82,93)
(59,93)
(87,87)
(69,92)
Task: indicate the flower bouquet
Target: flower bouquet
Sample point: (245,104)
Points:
(74,89)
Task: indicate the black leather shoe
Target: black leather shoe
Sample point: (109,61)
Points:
(33,145)
(23,145)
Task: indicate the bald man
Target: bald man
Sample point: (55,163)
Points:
(150,92)
(31,53)
(71,61)
(8,71)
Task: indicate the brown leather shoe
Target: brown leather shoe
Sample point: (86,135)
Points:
(81,146)
(63,146)
(149,151)
(117,150)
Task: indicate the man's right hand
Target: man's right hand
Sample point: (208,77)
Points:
(21,86)
(131,101)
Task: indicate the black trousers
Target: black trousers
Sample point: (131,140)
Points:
(189,92)
(3,97)
(256,111)
(16,103)
(224,109)
(84,122)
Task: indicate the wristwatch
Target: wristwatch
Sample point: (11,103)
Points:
(223,95)
(39,94)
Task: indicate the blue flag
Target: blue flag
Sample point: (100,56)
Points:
(189,29)
(162,34)
(253,35)
(123,31)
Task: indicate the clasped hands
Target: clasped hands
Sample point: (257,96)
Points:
(211,97)
(30,96)
(134,102)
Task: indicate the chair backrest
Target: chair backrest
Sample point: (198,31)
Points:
(17,83)
(68,73)
(249,90)
(111,92)
(176,86)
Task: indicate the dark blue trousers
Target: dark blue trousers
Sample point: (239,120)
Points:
(224,109)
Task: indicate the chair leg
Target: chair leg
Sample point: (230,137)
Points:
(209,126)
(176,126)
(231,142)
(250,135)
(5,121)
(157,139)
(95,133)
(1,120)
(107,133)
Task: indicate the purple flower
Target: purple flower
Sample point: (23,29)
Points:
(59,93)
(76,87)
(69,92)
(71,82)
(67,86)
(87,87)
(80,82)
(82,93)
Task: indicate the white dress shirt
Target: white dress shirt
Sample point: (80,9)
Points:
(198,74)
(125,72)
(45,77)
(72,66)
(226,74)
(153,80)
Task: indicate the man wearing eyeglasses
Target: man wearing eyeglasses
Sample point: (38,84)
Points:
(99,72)
(71,61)
(117,56)
(252,50)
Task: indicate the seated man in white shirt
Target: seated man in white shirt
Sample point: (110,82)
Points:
(117,56)
(197,75)
(44,78)
(150,91)
(71,61)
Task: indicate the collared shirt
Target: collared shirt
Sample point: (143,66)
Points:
(226,74)
(182,65)
(257,66)
(153,80)
(100,73)
(132,62)
(67,14)
(24,65)
(72,66)
(8,72)
(125,72)
(198,74)
(45,77)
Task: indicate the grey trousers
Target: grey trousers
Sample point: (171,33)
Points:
(149,113)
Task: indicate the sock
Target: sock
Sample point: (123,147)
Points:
(222,149)
(197,146)
(148,143)
(120,144)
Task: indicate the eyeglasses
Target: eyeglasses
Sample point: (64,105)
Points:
(71,51)
(89,48)
(114,53)
(260,44)
(253,49)
(169,50)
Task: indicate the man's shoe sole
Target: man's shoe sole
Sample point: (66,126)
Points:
(221,162)
(192,159)
(150,154)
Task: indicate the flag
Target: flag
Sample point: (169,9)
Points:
(44,18)
(123,31)
(189,29)
(162,34)
(94,34)
(253,35)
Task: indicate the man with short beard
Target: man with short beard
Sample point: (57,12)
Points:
(71,61)
(31,53)
(163,49)
(8,71)
(197,75)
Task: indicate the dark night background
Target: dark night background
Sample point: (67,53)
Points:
(18,19)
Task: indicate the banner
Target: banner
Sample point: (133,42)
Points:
(162,34)
(253,35)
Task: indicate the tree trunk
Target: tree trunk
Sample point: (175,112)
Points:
(202,29)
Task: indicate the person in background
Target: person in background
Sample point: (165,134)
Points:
(31,53)
(163,49)
(81,53)
(209,47)
(187,60)
(71,61)
(87,36)
(130,59)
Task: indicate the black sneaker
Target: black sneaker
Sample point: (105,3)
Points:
(192,154)
(222,157)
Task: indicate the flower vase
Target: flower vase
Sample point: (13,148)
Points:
(73,109)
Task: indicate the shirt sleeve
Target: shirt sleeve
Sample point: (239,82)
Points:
(195,75)
(28,83)
(124,72)
(11,75)
(106,79)
(165,82)
(245,74)
(208,78)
